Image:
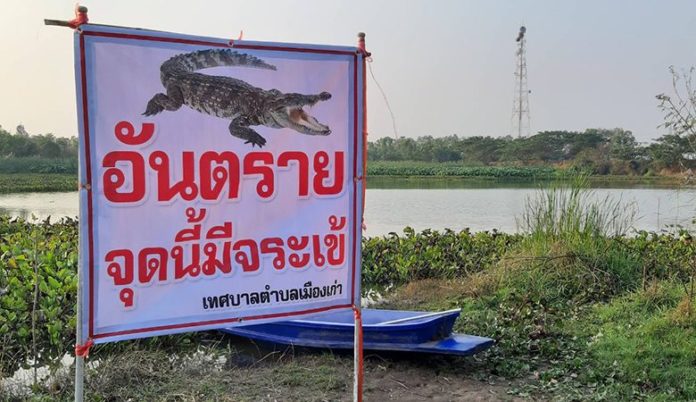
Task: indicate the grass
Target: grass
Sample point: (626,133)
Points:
(214,372)
(579,312)
(577,315)
(232,369)
(643,346)
(37,182)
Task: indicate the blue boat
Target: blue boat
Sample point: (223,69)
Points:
(386,330)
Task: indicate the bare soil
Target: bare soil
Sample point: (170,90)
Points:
(226,368)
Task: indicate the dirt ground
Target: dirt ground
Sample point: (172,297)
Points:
(387,378)
(240,370)
(408,383)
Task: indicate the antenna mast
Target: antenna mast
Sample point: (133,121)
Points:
(520,105)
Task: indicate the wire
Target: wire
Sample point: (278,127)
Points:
(386,101)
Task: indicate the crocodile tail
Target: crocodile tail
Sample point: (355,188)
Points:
(189,62)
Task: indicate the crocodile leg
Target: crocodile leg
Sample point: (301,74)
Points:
(239,129)
(171,101)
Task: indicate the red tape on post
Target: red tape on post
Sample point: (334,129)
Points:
(83,350)
(80,17)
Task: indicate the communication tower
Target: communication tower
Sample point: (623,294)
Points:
(520,105)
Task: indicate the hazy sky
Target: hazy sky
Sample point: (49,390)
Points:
(446,66)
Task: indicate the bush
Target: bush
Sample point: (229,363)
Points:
(36,164)
(38,291)
(34,182)
(453,169)
(394,259)
(45,255)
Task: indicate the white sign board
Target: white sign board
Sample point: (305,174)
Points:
(220,182)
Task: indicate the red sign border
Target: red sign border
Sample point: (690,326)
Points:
(88,172)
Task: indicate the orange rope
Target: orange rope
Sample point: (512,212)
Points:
(231,42)
(83,350)
(80,17)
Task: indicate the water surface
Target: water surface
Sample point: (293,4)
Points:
(454,204)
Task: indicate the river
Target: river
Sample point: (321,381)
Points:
(455,205)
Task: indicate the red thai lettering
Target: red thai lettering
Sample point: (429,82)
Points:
(265,188)
(152,261)
(248,260)
(302,160)
(114,178)
(121,272)
(218,170)
(322,174)
(182,269)
(125,132)
(336,243)
(295,243)
(274,245)
(186,188)
(212,264)
(319,259)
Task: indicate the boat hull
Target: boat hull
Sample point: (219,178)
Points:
(388,330)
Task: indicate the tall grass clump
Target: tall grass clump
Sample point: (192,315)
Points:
(570,210)
(569,252)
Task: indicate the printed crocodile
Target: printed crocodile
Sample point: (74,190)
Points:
(229,98)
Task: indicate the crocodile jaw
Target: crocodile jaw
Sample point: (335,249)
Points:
(299,120)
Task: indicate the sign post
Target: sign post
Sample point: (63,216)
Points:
(221,183)
(358,340)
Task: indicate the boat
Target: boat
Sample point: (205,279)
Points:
(383,330)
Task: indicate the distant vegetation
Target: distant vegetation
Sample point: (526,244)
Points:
(37,182)
(409,168)
(45,153)
(598,151)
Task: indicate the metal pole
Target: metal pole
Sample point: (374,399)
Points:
(80,18)
(358,333)
(79,360)
(357,355)
(519,116)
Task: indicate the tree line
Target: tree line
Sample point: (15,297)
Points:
(602,151)
(21,144)
(21,152)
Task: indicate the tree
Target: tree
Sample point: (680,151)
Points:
(622,145)
(680,107)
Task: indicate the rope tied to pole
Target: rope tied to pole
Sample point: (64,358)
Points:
(80,17)
(231,42)
(83,350)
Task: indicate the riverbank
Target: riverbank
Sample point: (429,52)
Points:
(60,182)
(37,182)
(435,182)
(411,169)
(576,316)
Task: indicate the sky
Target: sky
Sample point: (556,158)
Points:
(446,66)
